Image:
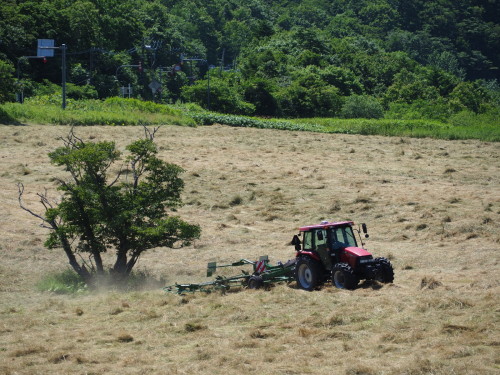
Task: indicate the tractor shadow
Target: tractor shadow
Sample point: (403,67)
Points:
(370,284)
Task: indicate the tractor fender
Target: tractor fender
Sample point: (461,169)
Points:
(308,253)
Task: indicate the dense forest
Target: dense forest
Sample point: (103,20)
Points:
(287,58)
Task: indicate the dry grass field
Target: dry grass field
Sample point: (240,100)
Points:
(432,207)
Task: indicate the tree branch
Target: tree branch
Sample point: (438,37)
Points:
(92,268)
(82,271)
(117,177)
(150,134)
(20,188)
(136,171)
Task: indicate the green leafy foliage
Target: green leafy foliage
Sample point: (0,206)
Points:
(6,82)
(420,109)
(469,96)
(409,87)
(259,92)
(362,107)
(225,95)
(80,92)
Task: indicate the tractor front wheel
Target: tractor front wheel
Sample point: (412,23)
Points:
(307,273)
(343,276)
(385,273)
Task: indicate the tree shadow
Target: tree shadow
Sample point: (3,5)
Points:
(6,119)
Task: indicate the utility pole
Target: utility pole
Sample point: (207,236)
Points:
(164,69)
(138,66)
(48,44)
(222,61)
(63,49)
(91,66)
(208,77)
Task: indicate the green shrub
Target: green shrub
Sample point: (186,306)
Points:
(362,106)
(188,107)
(80,92)
(47,88)
(299,101)
(225,97)
(470,96)
(259,92)
(410,86)
(6,82)
(46,99)
(421,109)
(485,126)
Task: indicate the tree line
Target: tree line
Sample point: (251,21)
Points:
(286,58)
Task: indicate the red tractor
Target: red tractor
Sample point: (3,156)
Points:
(330,251)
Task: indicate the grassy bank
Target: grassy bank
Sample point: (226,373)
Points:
(471,129)
(116,111)
(112,111)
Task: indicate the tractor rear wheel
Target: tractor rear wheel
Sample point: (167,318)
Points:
(307,273)
(255,282)
(385,272)
(343,276)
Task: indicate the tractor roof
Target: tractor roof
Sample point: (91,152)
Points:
(326,224)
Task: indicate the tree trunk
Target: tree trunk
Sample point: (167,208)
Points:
(98,262)
(121,263)
(120,266)
(82,271)
(131,263)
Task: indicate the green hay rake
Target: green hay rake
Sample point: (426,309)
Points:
(264,274)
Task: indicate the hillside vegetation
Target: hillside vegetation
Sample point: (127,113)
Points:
(405,59)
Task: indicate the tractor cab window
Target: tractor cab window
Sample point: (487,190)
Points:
(343,237)
(349,236)
(321,237)
(307,240)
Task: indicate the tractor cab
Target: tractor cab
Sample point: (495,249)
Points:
(328,242)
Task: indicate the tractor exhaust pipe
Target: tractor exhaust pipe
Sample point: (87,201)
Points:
(365,230)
